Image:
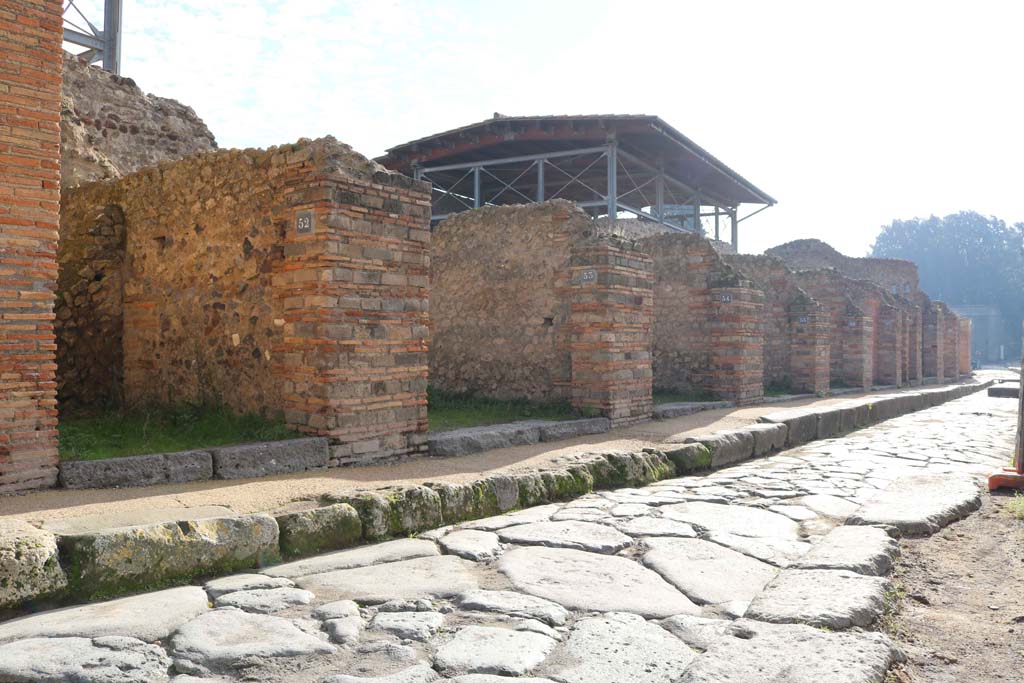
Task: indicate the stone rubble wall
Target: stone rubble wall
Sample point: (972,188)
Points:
(110,128)
(539,302)
(895,275)
(224,298)
(30,31)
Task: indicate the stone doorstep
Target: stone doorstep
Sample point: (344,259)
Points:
(667,411)
(478,439)
(225,462)
(254,540)
(1005,390)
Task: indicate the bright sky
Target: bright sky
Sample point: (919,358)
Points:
(850,114)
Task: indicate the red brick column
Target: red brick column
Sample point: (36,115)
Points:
(736,342)
(932,354)
(858,331)
(809,350)
(888,348)
(950,346)
(30,85)
(611,293)
(353,287)
(965,346)
(912,330)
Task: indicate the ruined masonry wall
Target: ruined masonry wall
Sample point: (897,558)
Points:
(895,275)
(30,31)
(109,127)
(225,299)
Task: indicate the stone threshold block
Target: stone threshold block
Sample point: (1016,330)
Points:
(477,439)
(270,457)
(137,470)
(667,411)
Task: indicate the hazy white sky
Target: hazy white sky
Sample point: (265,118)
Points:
(850,114)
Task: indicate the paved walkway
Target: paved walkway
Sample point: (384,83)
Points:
(273,493)
(723,577)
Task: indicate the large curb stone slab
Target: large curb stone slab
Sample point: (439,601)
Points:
(861,549)
(112,561)
(1005,391)
(571,429)
(488,650)
(707,572)
(381,553)
(476,439)
(750,651)
(920,505)
(688,457)
(768,437)
(111,659)
(589,582)
(618,647)
(137,470)
(801,426)
(835,599)
(829,423)
(29,563)
(149,617)
(307,532)
(425,577)
(726,447)
(270,457)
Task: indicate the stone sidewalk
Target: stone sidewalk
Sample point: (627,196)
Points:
(772,569)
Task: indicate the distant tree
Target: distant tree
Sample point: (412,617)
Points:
(964,258)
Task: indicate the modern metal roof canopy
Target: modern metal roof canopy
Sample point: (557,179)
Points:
(633,164)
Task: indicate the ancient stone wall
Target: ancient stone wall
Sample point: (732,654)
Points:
(708,332)
(286,281)
(110,128)
(896,276)
(539,302)
(30,32)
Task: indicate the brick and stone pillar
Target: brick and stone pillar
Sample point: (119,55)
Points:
(888,348)
(611,295)
(912,330)
(932,342)
(950,346)
(30,88)
(353,287)
(858,369)
(809,347)
(736,342)
(965,346)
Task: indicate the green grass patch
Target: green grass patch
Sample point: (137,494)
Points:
(779,389)
(117,434)
(454,411)
(1015,506)
(692,395)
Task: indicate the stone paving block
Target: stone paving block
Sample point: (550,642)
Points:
(408,625)
(484,649)
(734,519)
(270,457)
(423,577)
(835,599)
(389,551)
(570,429)
(112,561)
(332,527)
(726,447)
(861,549)
(137,470)
(697,632)
(513,604)
(149,617)
(243,582)
(706,572)
(590,582)
(476,439)
(420,673)
(618,647)
(265,600)
(472,544)
(597,538)
(921,505)
(29,563)
(108,659)
(751,651)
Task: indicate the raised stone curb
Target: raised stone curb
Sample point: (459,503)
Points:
(570,429)
(270,457)
(667,411)
(137,470)
(29,565)
(307,532)
(1005,391)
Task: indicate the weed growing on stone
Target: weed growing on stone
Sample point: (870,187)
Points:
(1015,506)
(116,433)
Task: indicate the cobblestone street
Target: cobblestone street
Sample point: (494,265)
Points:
(771,570)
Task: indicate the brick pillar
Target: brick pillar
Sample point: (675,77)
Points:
(913,335)
(888,350)
(965,346)
(30,87)
(931,342)
(858,366)
(736,342)
(950,347)
(353,288)
(809,347)
(611,309)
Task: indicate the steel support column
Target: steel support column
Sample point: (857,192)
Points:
(476,187)
(613,172)
(735,230)
(540,179)
(659,196)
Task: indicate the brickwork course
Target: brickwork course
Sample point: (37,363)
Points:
(537,302)
(290,281)
(30,83)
